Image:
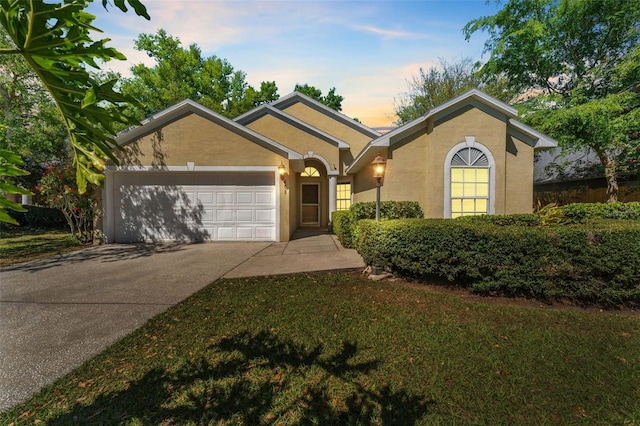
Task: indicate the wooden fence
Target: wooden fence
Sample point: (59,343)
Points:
(583,191)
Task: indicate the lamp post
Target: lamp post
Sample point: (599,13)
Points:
(378,173)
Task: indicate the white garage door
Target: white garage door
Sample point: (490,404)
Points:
(195,207)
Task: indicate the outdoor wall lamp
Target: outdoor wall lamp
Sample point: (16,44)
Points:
(282,171)
(379,164)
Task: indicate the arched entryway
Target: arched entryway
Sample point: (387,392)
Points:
(313,195)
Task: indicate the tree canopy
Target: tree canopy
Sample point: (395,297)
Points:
(579,61)
(560,46)
(435,86)
(332,100)
(183,73)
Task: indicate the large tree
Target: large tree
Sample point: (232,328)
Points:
(332,100)
(55,40)
(435,86)
(443,82)
(181,73)
(582,56)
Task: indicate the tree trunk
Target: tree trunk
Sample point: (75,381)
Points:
(610,174)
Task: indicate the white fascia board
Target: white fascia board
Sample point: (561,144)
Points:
(294,97)
(290,119)
(188,106)
(543,141)
(384,141)
(481,97)
(365,156)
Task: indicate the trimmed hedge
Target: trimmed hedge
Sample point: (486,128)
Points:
(40,217)
(344,221)
(587,264)
(579,212)
(526,219)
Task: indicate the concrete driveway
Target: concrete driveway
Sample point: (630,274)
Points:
(57,312)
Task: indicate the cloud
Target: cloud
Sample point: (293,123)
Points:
(390,33)
(366,50)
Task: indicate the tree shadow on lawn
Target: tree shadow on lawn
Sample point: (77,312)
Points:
(258,379)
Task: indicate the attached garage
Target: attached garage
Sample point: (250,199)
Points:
(194,206)
(189,174)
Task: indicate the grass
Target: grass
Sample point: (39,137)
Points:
(23,244)
(335,348)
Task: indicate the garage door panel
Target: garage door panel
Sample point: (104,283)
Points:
(244,197)
(205,197)
(225,215)
(264,215)
(265,233)
(244,215)
(149,211)
(263,197)
(244,233)
(225,233)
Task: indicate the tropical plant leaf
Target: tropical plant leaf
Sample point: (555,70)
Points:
(55,40)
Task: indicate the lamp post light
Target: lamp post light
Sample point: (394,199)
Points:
(379,164)
(282,171)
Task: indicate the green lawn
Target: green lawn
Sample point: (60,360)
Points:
(21,245)
(333,348)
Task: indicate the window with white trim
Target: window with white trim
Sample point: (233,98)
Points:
(343,196)
(310,171)
(470,182)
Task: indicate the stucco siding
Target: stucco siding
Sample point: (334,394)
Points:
(519,177)
(416,166)
(327,124)
(294,138)
(406,171)
(449,131)
(194,138)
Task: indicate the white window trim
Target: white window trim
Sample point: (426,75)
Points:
(470,142)
(344,182)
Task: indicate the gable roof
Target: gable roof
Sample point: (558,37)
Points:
(473,97)
(186,107)
(295,97)
(266,109)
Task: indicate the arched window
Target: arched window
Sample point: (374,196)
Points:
(469,181)
(310,172)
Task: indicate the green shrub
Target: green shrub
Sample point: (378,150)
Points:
(347,231)
(579,212)
(40,217)
(526,219)
(585,263)
(340,224)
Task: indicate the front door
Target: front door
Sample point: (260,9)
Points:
(310,213)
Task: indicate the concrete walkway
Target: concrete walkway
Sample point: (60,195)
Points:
(57,312)
(309,250)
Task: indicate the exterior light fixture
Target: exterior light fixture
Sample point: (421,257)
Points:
(379,164)
(282,171)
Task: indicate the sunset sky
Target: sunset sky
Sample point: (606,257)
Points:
(367,50)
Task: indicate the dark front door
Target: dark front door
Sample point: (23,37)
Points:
(310,206)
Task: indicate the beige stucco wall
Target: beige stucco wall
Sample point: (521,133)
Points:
(519,177)
(415,167)
(194,138)
(327,124)
(488,130)
(294,138)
